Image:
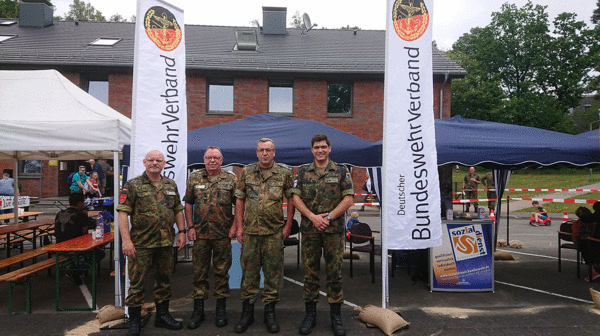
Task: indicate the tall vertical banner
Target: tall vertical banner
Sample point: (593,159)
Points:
(159,111)
(411,195)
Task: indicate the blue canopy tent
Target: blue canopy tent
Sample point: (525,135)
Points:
(505,147)
(237,141)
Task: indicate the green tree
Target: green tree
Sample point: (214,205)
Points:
(519,72)
(9,9)
(79,10)
(297,21)
(117,18)
(596,14)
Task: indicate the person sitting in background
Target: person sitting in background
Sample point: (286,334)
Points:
(582,228)
(353,220)
(72,223)
(7,185)
(93,189)
(541,213)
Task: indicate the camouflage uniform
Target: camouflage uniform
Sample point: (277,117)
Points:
(488,182)
(152,214)
(471,189)
(263,191)
(321,192)
(213,199)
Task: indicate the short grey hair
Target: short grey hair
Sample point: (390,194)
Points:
(265,140)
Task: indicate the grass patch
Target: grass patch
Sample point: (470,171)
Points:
(564,178)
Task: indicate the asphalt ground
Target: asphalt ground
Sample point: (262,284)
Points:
(530,298)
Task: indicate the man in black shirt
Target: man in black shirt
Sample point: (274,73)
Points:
(72,223)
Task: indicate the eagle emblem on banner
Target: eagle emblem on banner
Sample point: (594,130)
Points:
(162,28)
(410,18)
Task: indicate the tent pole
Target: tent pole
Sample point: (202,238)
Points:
(117,244)
(15,189)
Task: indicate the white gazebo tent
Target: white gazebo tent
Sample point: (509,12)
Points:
(44,116)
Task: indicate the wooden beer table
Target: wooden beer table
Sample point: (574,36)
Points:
(25,231)
(72,249)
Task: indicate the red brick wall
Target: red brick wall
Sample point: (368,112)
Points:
(250,98)
(119,92)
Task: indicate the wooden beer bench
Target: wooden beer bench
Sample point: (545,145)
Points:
(22,276)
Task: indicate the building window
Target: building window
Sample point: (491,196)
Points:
(339,99)
(96,84)
(220,96)
(281,97)
(106,41)
(30,168)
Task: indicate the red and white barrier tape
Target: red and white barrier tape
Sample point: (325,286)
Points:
(366,204)
(555,200)
(524,189)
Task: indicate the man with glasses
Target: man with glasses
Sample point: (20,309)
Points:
(78,181)
(322,192)
(209,199)
(152,200)
(260,192)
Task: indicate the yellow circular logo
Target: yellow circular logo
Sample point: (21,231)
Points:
(162,28)
(410,18)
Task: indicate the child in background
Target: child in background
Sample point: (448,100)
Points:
(353,220)
(540,214)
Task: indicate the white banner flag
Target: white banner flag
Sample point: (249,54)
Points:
(411,196)
(159,111)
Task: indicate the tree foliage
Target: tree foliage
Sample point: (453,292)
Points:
(9,9)
(79,10)
(596,14)
(521,73)
(297,21)
(117,18)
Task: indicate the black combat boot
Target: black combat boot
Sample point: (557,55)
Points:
(163,319)
(310,319)
(269,319)
(221,313)
(247,317)
(135,319)
(336,319)
(197,314)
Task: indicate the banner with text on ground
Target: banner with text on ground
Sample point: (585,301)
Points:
(411,197)
(465,260)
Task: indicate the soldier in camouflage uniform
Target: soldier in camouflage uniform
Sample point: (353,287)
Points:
(211,192)
(488,182)
(469,187)
(260,192)
(153,202)
(323,191)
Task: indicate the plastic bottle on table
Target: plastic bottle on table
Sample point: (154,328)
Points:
(99,234)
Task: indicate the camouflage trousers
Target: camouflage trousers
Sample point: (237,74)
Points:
(331,246)
(219,250)
(491,204)
(471,195)
(159,259)
(266,252)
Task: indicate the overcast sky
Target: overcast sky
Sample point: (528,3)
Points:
(451,18)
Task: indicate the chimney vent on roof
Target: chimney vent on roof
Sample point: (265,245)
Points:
(274,20)
(35,13)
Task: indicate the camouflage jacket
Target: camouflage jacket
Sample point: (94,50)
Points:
(263,214)
(470,184)
(322,192)
(488,180)
(152,210)
(213,203)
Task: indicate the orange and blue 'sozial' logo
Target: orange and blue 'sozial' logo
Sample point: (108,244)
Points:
(465,244)
(410,18)
(162,28)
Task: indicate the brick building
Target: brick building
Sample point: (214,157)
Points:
(332,76)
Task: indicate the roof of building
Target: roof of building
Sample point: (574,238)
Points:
(209,48)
